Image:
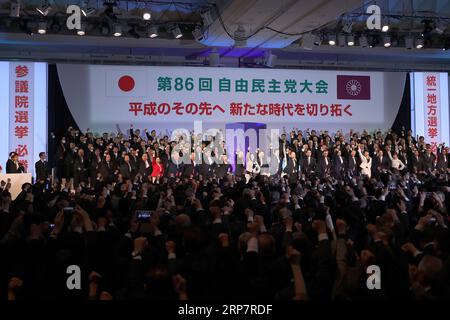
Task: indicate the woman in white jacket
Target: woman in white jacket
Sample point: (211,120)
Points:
(396,163)
(366,163)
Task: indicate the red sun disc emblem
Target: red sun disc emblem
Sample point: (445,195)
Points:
(126,83)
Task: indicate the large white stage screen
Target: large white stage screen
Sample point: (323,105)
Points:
(100,97)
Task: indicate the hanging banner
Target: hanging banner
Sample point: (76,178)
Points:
(101,97)
(21,112)
(432,109)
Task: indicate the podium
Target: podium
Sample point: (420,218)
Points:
(17,180)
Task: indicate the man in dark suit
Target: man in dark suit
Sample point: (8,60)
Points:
(324,165)
(338,165)
(381,163)
(42,168)
(352,164)
(144,167)
(442,160)
(415,163)
(428,159)
(309,164)
(126,169)
(174,166)
(13,165)
(291,168)
(190,169)
(79,168)
(107,169)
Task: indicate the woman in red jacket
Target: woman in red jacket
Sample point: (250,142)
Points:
(158,169)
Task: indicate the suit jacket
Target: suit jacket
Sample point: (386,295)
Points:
(143,170)
(173,169)
(309,168)
(127,171)
(12,168)
(338,166)
(190,170)
(324,167)
(291,169)
(352,165)
(428,162)
(107,171)
(42,170)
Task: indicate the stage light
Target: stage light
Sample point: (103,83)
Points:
(269,59)
(88,11)
(332,40)
(440,27)
(82,30)
(350,41)
(14,10)
(146,15)
(117,30)
(198,34)
(308,41)
(419,43)
(409,43)
(317,40)
(206,17)
(42,27)
(347,28)
(177,32)
(387,41)
(152,31)
(363,42)
(44,9)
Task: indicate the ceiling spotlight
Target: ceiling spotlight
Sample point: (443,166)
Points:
(42,27)
(350,41)
(269,59)
(177,32)
(152,31)
(419,43)
(317,40)
(206,17)
(198,34)
(14,10)
(347,28)
(146,15)
(341,40)
(308,41)
(82,30)
(440,27)
(409,43)
(44,9)
(88,11)
(387,41)
(332,40)
(363,42)
(117,30)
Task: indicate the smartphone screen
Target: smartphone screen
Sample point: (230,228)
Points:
(144,215)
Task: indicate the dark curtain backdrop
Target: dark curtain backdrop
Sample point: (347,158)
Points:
(59,116)
(403,118)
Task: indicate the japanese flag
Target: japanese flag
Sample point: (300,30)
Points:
(126,83)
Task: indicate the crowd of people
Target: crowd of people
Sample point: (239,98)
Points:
(145,216)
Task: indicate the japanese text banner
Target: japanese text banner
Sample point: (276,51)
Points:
(101,95)
(21,112)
